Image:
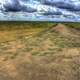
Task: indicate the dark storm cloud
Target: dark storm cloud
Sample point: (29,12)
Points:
(73,5)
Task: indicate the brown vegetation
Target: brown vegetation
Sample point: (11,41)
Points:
(49,54)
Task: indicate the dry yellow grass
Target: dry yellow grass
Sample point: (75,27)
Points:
(14,34)
(51,53)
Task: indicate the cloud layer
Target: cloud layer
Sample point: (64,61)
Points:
(66,8)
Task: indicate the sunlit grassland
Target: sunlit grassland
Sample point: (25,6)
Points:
(13,30)
(39,51)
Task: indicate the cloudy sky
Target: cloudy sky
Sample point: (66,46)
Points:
(65,8)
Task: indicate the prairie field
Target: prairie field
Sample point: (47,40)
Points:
(39,51)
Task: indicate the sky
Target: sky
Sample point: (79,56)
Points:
(44,8)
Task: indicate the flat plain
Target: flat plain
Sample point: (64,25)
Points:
(39,51)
